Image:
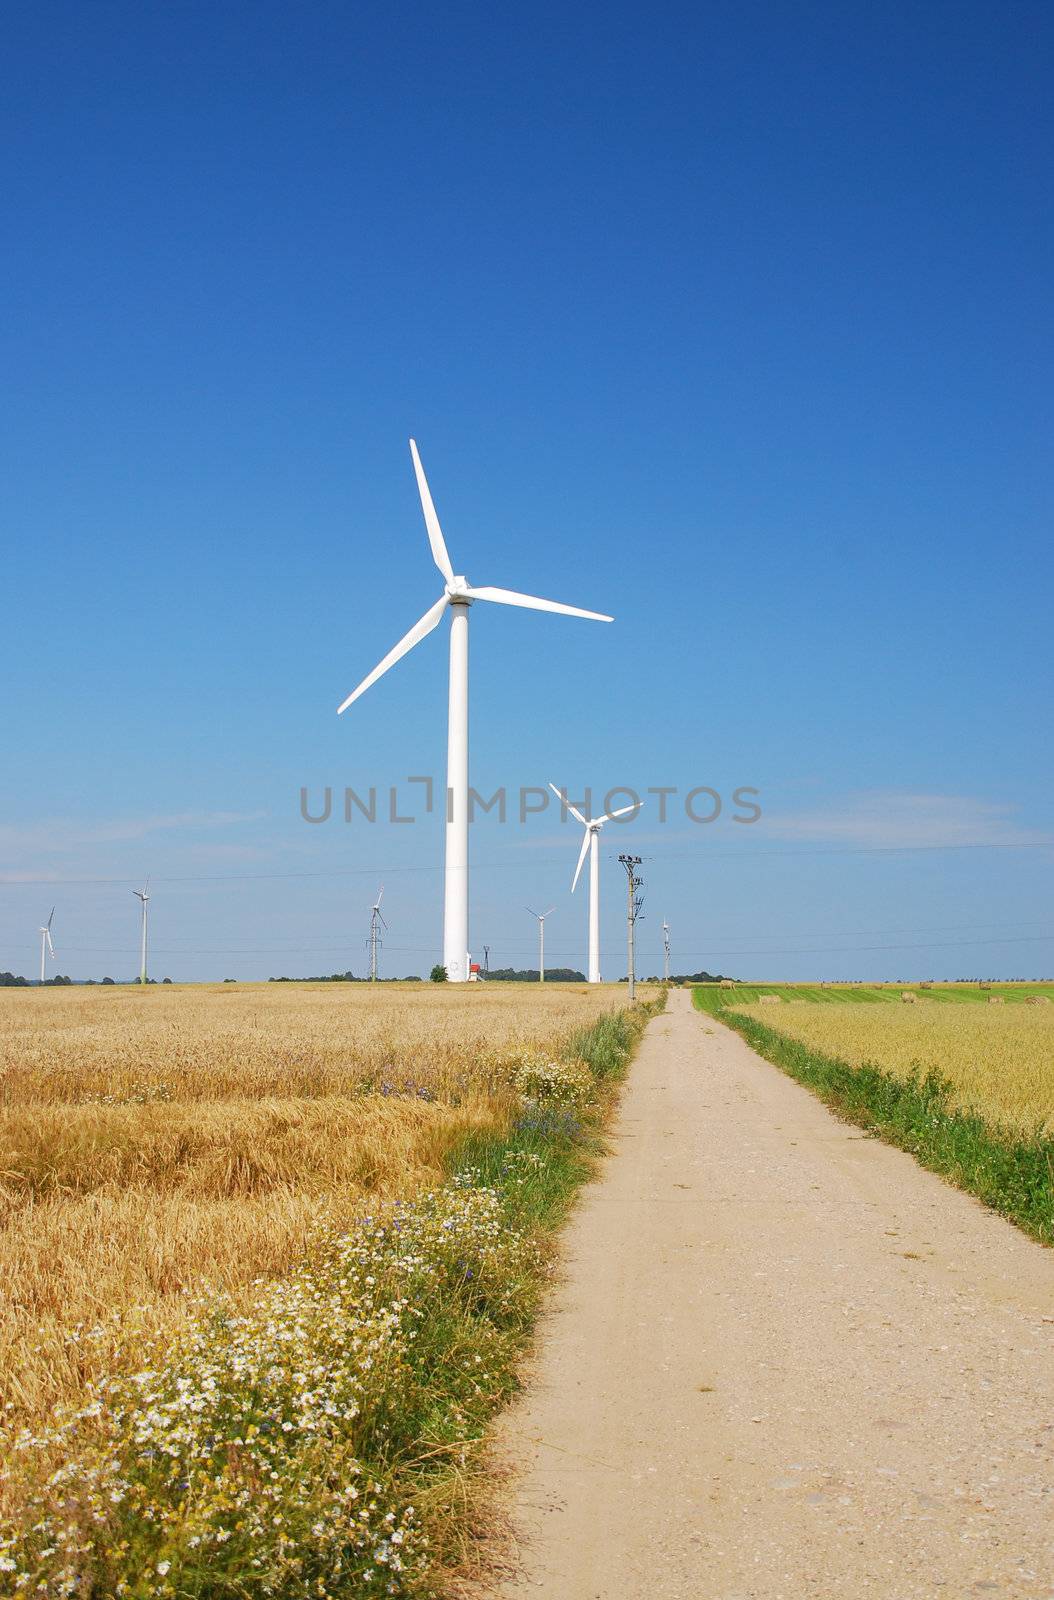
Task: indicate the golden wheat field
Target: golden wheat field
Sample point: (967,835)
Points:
(999,1060)
(153,1142)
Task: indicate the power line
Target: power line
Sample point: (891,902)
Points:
(407,949)
(191,946)
(702,852)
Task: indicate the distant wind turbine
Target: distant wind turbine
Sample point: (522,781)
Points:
(457,596)
(665,950)
(591,843)
(375,940)
(46,944)
(541,915)
(143,895)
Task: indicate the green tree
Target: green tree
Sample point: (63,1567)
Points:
(439,973)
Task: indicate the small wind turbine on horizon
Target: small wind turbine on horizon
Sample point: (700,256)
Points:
(591,844)
(375,940)
(46,944)
(458,594)
(143,895)
(541,915)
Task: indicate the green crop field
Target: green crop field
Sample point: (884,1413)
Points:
(711,997)
(966,1086)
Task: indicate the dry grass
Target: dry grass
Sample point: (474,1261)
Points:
(154,1142)
(1000,1062)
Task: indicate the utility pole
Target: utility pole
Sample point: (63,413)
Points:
(665,951)
(634,906)
(541,915)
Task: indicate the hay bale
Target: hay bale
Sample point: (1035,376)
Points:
(925,986)
(996,1000)
(1037,999)
(908,998)
(770,999)
(727,983)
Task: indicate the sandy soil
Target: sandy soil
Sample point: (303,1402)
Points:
(783,1361)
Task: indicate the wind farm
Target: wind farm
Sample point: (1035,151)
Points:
(458,1180)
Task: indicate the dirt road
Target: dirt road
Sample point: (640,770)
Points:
(784,1361)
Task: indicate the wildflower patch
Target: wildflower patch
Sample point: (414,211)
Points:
(241,1458)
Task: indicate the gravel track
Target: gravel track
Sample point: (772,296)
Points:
(782,1361)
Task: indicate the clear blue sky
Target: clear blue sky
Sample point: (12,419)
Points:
(732,321)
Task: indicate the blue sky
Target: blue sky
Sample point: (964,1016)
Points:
(733,322)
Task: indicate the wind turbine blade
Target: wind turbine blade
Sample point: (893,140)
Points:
(565,802)
(531,602)
(440,554)
(622,811)
(380,897)
(533,913)
(419,631)
(548,913)
(581,858)
(51,947)
(51,918)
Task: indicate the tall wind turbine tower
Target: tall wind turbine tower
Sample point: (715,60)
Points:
(458,595)
(46,944)
(143,895)
(541,915)
(591,845)
(665,951)
(375,939)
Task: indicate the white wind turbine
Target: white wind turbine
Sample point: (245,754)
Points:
(457,596)
(376,916)
(46,944)
(541,916)
(591,843)
(143,895)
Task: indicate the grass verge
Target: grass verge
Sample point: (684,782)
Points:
(1013,1175)
(321,1440)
